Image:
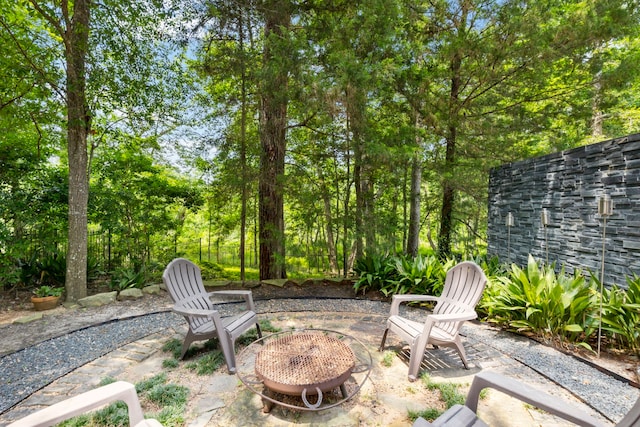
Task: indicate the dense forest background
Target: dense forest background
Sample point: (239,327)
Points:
(286,135)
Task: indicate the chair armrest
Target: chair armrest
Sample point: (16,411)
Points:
(195,312)
(86,402)
(453,317)
(529,395)
(245,294)
(396,300)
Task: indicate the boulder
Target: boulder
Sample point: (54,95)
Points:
(98,300)
(130,294)
(152,290)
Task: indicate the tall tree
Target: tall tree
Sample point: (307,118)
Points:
(71,22)
(273,86)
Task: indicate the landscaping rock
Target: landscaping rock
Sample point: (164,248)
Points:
(276,282)
(152,290)
(128,294)
(98,300)
(29,319)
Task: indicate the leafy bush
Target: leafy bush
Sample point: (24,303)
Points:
(621,314)
(127,278)
(53,270)
(374,272)
(48,291)
(211,270)
(421,275)
(540,301)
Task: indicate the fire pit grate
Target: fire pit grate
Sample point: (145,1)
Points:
(304,363)
(284,367)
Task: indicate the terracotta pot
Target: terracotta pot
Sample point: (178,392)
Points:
(45,303)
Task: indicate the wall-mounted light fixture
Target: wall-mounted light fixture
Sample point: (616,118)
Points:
(605,209)
(510,222)
(545,220)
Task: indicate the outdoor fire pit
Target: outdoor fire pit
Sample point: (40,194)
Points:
(303,363)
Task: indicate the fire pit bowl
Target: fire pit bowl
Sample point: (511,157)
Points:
(303,363)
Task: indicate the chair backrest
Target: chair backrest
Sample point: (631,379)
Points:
(463,287)
(183,280)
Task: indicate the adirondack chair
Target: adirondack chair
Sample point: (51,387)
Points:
(90,400)
(184,283)
(463,288)
(459,415)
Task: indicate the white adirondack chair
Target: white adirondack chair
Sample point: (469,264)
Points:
(184,283)
(459,415)
(463,288)
(90,400)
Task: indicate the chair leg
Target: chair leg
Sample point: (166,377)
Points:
(259,330)
(189,338)
(461,352)
(227,343)
(384,338)
(415,359)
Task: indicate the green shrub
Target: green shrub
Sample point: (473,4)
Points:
(211,270)
(538,300)
(621,315)
(420,275)
(127,278)
(374,272)
(53,270)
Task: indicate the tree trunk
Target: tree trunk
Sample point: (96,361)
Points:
(78,125)
(328,218)
(355,119)
(273,122)
(448,189)
(413,240)
(243,150)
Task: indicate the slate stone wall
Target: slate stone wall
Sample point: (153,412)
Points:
(568,184)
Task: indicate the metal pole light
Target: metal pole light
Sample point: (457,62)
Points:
(605,209)
(509,224)
(544,219)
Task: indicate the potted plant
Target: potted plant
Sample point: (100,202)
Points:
(46,297)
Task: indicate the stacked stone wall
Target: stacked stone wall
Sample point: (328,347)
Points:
(569,184)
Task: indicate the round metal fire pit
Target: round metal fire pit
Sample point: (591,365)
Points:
(310,362)
(304,363)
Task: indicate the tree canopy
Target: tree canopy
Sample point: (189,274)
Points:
(292,135)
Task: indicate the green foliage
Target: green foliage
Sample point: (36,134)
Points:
(211,270)
(132,277)
(621,315)
(422,275)
(449,393)
(48,291)
(538,300)
(387,359)
(173,346)
(53,270)
(428,414)
(149,383)
(168,395)
(400,274)
(171,397)
(374,272)
(207,364)
(170,363)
